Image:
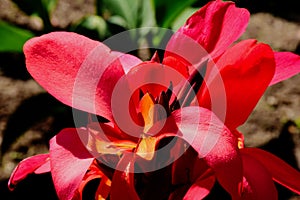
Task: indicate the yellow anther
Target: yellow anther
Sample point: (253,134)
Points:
(146,148)
(240,143)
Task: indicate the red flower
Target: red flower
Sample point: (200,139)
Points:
(130,94)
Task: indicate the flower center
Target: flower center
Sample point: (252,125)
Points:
(155,109)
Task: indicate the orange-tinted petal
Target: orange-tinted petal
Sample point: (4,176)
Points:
(123,180)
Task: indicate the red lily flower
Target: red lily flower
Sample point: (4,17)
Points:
(144,111)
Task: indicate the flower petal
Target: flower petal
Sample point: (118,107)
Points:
(214,28)
(153,78)
(279,170)
(76,70)
(93,173)
(244,71)
(103,189)
(122,186)
(287,65)
(201,188)
(69,160)
(89,176)
(258,183)
(26,167)
(179,63)
(44,168)
(104,141)
(148,77)
(128,61)
(213,142)
(187,162)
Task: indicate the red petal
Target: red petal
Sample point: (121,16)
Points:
(87,178)
(103,189)
(127,61)
(95,173)
(258,183)
(214,28)
(153,78)
(76,70)
(237,81)
(213,142)
(178,64)
(69,160)
(287,65)
(201,188)
(43,168)
(188,161)
(149,77)
(279,170)
(122,186)
(26,167)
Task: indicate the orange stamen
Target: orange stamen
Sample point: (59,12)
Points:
(147,110)
(146,147)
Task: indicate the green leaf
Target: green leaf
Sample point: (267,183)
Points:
(168,10)
(44,11)
(127,9)
(41,8)
(147,16)
(118,20)
(12,38)
(136,13)
(129,14)
(297,122)
(181,19)
(92,26)
(49,5)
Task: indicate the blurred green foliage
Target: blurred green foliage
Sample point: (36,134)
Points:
(12,38)
(111,17)
(40,8)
